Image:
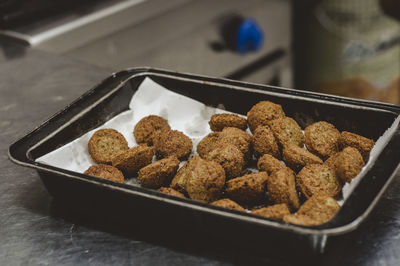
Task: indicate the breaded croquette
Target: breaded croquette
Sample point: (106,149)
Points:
(237,137)
(362,144)
(106,144)
(105,171)
(318,179)
(319,207)
(158,173)
(322,139)
(173,142)
(277,211)
(263,112)
(130,161)
(282,188)
(287,131)
(205,181)
(207,144)
(263,142)
(170,191)
(331,161)
(180,179)
(269,164)
(229,157)
(219,121)
(348,164)
(201,179)
(300,219)
(229,204)
(296,157)
(249,189)
(149,127)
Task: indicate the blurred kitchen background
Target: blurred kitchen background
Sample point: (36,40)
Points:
(344,47)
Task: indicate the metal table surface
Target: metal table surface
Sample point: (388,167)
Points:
(36,230)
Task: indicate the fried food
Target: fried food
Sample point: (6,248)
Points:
(173,142)
(249,189)
(206,181)
(322,139)
(170,191)
(180,179)
(105,144)
(269,164)
(320,208)
(362,144)
(318,179)
(296,157)
(277,211)
(237,137)
(331,161)
(201,179)
(105,171)
(348,164)
(263,142)
(130,161)
(229,135)
(207,144)
(263,112)
(220,121)
(159,173)
(300,219)
(282,188)
(229,204)
(287,131)
(149,127)
(229,157)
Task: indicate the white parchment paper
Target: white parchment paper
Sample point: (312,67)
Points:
(183,114)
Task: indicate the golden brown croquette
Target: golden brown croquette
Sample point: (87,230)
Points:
(318,179)
(105,171)
(106,144)
(130,161)
(220,121)
(287,131)
(322,139)
(300,219)
(201,179)
(205,181)
(319,207)
(148,127)
(331,161)
(282,188)
(296,157)
(348,164)
(170,191)
(229,157)
(207,144)
(263,112)
(277,211)
(173,142)
(249,189)
(237,137)
(362,144)
(263,142)
(269,164)
(158,173)
(180,179)
(229,204)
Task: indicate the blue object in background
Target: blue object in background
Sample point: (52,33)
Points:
(250,36)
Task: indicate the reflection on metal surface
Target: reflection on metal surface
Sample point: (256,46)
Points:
(90,18)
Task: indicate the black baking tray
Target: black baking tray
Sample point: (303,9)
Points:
(133,203)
